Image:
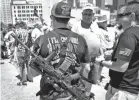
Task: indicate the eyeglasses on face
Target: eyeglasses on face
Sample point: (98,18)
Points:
(85,14)
(122,15)
(30,27)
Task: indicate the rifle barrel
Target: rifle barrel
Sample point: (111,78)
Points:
(15,37)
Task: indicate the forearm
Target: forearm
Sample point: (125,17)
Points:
(107,63)
(116,66)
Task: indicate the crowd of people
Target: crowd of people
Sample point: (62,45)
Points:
(88,42)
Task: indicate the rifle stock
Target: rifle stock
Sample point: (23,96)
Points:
(53,74)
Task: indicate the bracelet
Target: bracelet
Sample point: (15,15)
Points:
(101,63)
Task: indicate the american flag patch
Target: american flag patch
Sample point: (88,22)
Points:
(125,51)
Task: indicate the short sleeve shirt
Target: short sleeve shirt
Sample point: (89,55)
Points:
(91,36)
(127,50)
(22,35)
(51,41)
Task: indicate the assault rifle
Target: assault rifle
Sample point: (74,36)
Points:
(54,75)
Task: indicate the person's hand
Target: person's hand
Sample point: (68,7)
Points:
(99,59)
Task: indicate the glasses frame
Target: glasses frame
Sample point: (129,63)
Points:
(85,14)
(124,14)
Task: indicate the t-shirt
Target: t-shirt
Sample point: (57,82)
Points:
(106,41)
(8,37)
(51,41)
(36,33)
(127,50)
(22,35)
(91,35)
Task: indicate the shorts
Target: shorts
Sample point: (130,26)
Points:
(123,95)
(115,94)
(110,92)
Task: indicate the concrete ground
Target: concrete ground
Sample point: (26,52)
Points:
(10,91)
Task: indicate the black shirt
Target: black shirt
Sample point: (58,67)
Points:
(127,49)
(51,41)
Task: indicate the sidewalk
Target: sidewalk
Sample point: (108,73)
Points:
(10,91)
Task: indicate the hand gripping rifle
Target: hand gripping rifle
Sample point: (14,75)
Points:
(54,75)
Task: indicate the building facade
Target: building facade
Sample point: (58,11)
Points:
(24,11)
(5,15)
(117,3)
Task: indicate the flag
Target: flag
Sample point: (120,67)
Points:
(125,51)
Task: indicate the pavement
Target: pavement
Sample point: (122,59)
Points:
(10,91)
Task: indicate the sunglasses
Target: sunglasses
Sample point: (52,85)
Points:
(85,14)
(122,15)
(30,27)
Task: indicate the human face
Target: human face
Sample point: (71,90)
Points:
(87,16)
(103,24)
(124,19)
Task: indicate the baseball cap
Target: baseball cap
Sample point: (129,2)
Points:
(131,7)
(61,10)
(88,6)
(102,18)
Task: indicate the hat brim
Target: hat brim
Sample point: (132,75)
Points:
(88,8)
(102,21)
(58,16)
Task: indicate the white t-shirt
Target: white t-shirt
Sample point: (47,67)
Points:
(107,38)
(8,36)
(91,36)
(36,33)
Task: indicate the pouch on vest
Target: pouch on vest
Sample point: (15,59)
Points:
(65,61)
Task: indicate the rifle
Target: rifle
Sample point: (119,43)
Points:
(54,75)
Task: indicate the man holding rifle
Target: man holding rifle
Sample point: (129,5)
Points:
(69,46)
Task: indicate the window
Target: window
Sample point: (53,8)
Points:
(98,11)
(14,7)
(19,11)
(32,7)
(23,15)
(27,11)
(14,11)
(40,10)
(28,15)
(18,7)
(27,6)
(23,11)
(23,7)
(19,15)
